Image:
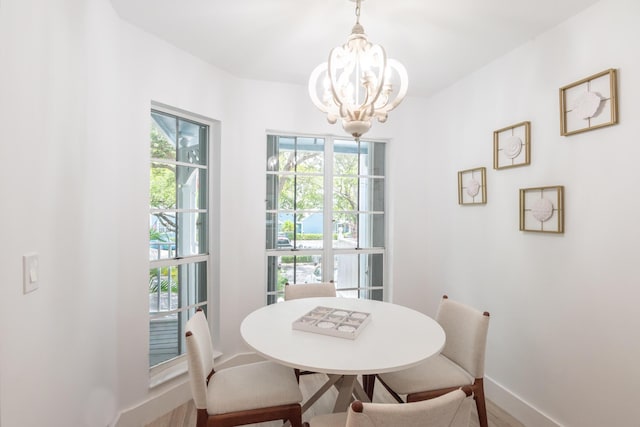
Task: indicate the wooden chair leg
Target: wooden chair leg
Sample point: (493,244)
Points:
(368,383)
(478,390)
(295,417)
(393,393)
(202,418)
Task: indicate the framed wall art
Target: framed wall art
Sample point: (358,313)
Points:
(588,104)
(542,209)
(512,146)
(472,186)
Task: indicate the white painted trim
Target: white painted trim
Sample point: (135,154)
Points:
(156,405)
(516,406)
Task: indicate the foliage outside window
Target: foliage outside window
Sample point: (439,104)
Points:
(178,229)
(325,214)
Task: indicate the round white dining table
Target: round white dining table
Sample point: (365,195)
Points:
(395,338)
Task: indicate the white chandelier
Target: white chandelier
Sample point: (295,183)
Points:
(355,85)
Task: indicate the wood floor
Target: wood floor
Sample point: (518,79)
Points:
(185,415)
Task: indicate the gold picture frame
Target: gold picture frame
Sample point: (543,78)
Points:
(512,146)
(542,209)
(590,103)
(472,186)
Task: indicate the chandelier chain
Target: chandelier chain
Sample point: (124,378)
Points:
(358,11)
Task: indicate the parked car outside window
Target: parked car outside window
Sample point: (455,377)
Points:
(284,243)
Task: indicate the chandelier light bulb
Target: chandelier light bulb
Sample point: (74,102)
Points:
(357,84)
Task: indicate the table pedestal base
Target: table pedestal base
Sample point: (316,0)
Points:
(347,386)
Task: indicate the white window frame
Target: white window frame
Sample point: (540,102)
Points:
(328,252)
(172,368)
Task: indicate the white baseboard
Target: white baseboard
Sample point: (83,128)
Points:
(516,407)
(166,399)
(155,406)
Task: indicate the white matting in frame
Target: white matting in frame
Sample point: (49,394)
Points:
(588,104)
(472,186)
(542,209)
(512,146)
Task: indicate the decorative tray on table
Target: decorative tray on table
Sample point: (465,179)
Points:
(336,322)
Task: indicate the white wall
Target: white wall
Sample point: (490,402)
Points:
(563,334)
(58,344)
(76,84)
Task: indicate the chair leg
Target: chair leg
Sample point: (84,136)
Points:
(478,396)
(202,418)
(478,390)
(393,393)
(295,417)
(368,383)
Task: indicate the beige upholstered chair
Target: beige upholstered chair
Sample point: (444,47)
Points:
(460,363)
(309,290)
(449,410)
(239,395)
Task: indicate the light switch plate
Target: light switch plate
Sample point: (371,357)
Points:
(30,272)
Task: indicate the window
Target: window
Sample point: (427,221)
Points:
(325,215)
(178,229)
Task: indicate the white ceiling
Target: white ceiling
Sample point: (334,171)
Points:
(283,40)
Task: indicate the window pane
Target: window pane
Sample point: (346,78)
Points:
(373,294)
(345,194)
(275,279)
(311,231)
(372,158)
(178,286)
(163,186)
(345,158)
(310,155)
(193,283)
(171,290)
(272,230)
(163,289)
(164,339)
(371,230)
(272,153)
(167,335)
(192,234)
(346,271)
(293,269)
(192,139)
(285,192)
(359,272)
(272,192)
(345,229)
(286,155)
(191,187)
(358,230)
(162,236)
(163,136)
(371,194)
(309,192)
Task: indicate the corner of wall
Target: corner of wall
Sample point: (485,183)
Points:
(155,406)
(515,406)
